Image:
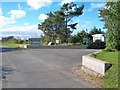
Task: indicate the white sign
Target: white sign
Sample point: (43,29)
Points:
(57,41)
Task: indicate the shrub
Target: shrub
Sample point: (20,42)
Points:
(98,44)
(109,50)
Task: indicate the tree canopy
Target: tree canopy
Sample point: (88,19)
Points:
(111,16)
(85,38)
(96,30)
(58,24)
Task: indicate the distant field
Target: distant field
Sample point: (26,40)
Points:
(111,78)
(11,43)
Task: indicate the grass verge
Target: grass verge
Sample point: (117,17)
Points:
(11,45)
(111,76)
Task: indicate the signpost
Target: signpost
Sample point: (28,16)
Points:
(34,41)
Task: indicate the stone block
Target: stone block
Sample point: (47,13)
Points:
(94,64)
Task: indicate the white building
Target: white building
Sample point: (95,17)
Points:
(101,37)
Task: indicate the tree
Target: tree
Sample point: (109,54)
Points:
(93,31)
(56,25)
(111,16)
(80,37)
(75,39)
(86,38)
(96,30)
(70,10)
(52,26)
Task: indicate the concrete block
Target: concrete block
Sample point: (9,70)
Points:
(94,64)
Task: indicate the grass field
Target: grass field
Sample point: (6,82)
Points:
(111,76)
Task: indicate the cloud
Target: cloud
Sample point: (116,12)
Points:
(37,4)
(26,24)
(6,21)
(67,1)
(42,17)
(15,14)
(96,5)
(21,28)
(21,31)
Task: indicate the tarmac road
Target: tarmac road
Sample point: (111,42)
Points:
(42,68)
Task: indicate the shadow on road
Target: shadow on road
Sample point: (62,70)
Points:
(6,49)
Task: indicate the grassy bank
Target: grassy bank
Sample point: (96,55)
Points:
(11,45)
(111,77)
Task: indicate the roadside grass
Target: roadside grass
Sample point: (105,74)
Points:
(70,44)
(111,75)
(65,44)
(11,45)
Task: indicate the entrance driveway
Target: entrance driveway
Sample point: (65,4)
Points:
(43,68)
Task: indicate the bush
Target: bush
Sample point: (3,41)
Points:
(109,50)
(75,39)
(98,44)
(21,42)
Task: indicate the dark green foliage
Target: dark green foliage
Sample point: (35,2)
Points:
(6,39)
(86,38)
(21,42)
(111,16)
(73,26)
(98,44)
(75,39)
(12,40)
(93,31)
(82,37)
(56,25)
(79,38)
(109,50)
(96,30)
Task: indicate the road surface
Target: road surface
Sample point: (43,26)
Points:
(42,68)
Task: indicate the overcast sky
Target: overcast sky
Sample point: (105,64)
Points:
(20,19)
